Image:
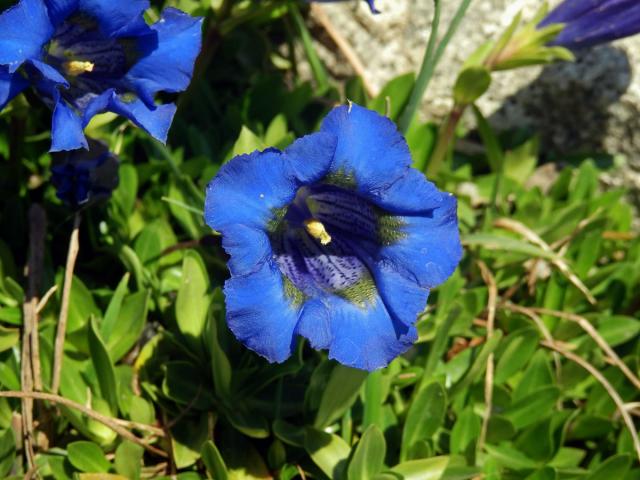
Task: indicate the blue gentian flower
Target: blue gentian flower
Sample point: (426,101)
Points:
(336,239)
(85,176)
(85,57)
(370,2)
(592,22)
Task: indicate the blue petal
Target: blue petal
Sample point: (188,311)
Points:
(167,55)
(365,338)
(311,156)
(314,324)
(370,147)
(248,248)
(49,74)
(117,18)
(155,121)
(601,25)
(11,84)
(404,298)
(569,10)
(260,315)
(66,129)
(411,193)
(430,249)
(59,10)
(248,189)
(24,28)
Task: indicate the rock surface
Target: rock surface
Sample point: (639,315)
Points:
(590,105)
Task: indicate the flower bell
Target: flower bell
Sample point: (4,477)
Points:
(85,57)
(336,239)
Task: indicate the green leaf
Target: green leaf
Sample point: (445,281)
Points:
(8,338)
(613,467)
(187,438)
(368,459)
(425,469)
(87,457)
(471,84)
(328,451)
(618,329)
(192,302)
(220,365)
(7,452)
(288,433)
(397,91)
(339,395)
(533,407)
(213,461)
(464,431)
(495,154)
(509,457)
(546,473)
(108,323)
(247,142)
(128,460)
(501,243)
(479,365)
(249,422)
(520,162)
(104,368)
(425,416)
(131,320)
(516,350)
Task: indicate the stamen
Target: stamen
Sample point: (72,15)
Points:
(77,67)
(316,230)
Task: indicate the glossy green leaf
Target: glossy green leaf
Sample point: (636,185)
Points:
(213,461)
(532,407)
(471,84)
(464,431)
(192,302)
(104,368)
(131,320)
(368,458)
(425,415)
(339,395)
(87,457)
(329,452)
(128,459)
(613,467)
(426,469)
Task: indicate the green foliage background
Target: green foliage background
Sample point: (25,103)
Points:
(147,341)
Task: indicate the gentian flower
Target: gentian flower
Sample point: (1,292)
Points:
(85,57)
(82,176)
(592,22)
(370,2)
(336,239)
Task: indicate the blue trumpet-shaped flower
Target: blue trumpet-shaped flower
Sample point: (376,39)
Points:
(336,239)
(592,22)
(84,176)
(85,57)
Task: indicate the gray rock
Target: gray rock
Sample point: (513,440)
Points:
(590,105)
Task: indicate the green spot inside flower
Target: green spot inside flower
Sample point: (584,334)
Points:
(292,292)
(362,294)
(389,228)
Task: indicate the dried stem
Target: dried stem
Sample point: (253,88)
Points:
(541,326)
(607,386)
(113,423)
(593,333)
(30,358)
(72,255)
(320,16)
(489,279)
(558,262)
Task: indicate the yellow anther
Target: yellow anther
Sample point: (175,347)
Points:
(316,230)
(78,67)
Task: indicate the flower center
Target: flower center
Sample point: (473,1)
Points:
(85,55)
(325,243)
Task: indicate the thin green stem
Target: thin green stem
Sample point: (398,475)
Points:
(426,72)
(317,68)
(445,140)
(432,57)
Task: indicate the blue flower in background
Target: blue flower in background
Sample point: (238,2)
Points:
(82,176)
(85,57)
(336,239)
(592,22)
(370,2)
